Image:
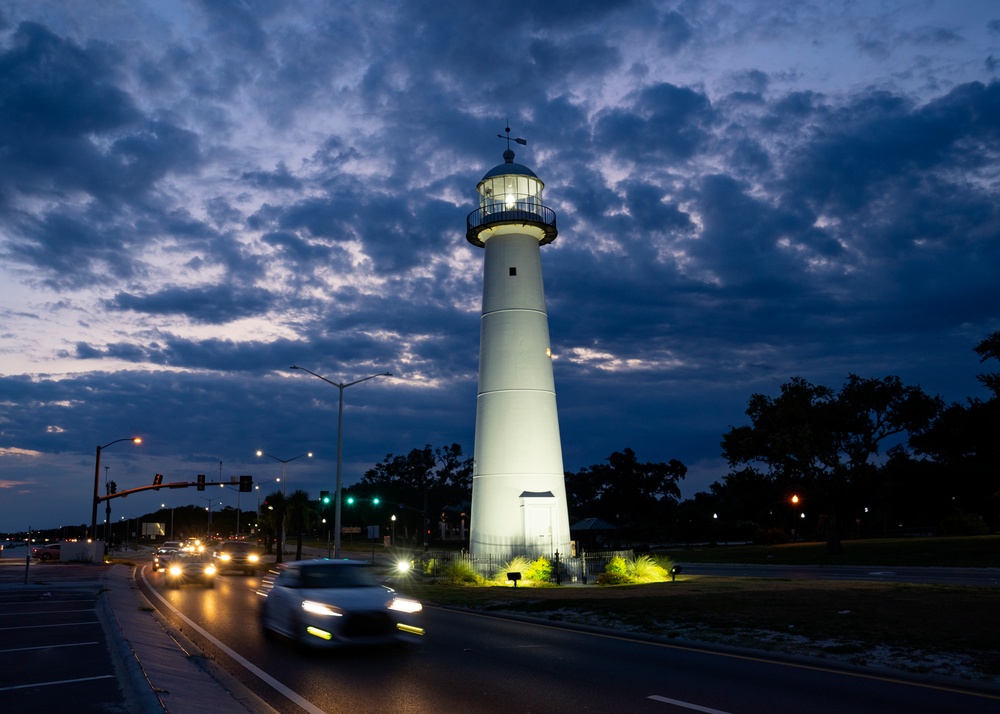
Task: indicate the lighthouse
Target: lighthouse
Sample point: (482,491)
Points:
(518,486)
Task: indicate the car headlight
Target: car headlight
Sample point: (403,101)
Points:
(175,570)
(402,604)
(225,556)
(253,557)
(209,570)
(318,608)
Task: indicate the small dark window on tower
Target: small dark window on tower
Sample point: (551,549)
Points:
(513,271)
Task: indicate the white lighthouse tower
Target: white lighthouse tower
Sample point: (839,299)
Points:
(518,486)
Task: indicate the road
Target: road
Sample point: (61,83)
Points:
(474,662)
(977,577)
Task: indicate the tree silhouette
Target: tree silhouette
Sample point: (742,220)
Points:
(824,442)
(302,514)
(637,496)
(272,514)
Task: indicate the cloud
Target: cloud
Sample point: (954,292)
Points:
(215,304)
(194,197)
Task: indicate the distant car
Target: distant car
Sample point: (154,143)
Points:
(175,544)
(186,567)
(236,555)
(161,557)
(193,545)
(328,603)
(46,552)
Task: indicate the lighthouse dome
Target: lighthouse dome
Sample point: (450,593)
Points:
(508,167)
(510,194)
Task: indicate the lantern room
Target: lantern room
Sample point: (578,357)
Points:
(510,195)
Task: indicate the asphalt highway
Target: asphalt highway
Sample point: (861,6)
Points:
(475,662)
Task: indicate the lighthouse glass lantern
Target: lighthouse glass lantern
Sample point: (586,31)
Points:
(510,194)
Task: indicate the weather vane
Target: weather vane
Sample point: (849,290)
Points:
(522,142)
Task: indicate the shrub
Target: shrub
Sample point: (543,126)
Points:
(459,572)
(539,571)
(963,525)
(611,577)
(616,565)
(639,569)
(771,536)
(646,569)
(664,561)
(517,564)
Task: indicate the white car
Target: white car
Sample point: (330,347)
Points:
(327,603)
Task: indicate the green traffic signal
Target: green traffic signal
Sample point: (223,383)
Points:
(375,501)
(350,500)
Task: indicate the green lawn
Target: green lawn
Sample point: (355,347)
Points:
(945,630)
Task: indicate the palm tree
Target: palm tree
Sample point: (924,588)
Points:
(302,514)
(272,513)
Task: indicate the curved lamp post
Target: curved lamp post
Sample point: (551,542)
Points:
(238,508)
(340,447)
(257,487)
(284,482)
(97,480)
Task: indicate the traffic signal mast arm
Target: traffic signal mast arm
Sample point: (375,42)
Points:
(175,484)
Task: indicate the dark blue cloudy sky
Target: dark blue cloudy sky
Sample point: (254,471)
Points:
(196,195)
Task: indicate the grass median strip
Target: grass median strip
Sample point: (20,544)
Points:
(921,628)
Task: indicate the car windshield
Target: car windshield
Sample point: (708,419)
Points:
(238,547)
(182,557)
(337,576)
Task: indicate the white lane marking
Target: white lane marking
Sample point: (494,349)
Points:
(61,681)
(43,612)
(261,674)
(33,627)
(686,705)
(47,647)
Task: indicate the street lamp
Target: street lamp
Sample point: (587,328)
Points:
(238,492)
(284,486)
(97,479)
(209,509)
(163,505)
(340,447)
(284,463)
(263,483)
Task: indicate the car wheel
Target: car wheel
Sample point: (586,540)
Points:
(298,632)
(265,627)
(210,584)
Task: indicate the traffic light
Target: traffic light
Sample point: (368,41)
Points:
(157,479)
(324,497)
(350,500)
(201,482)
(112,487)
(375,501)
(246,484)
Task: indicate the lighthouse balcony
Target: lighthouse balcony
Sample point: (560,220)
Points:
(520,213)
